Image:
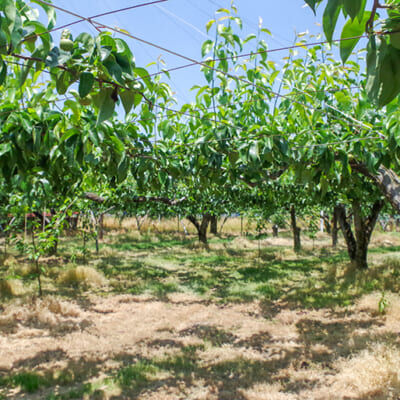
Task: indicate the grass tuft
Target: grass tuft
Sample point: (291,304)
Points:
(83,276)
(11,287)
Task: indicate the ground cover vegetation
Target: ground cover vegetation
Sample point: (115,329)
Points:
(154,314)
(276,146)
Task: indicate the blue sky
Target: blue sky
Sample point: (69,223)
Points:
(179,25)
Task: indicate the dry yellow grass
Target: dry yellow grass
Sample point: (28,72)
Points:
(372,373)
(85,276)
(233,225)
(11,287)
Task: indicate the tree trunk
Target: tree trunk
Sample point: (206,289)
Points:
(327,224)
(223,223)
(363,226)
(214,225)
(295,229)
(275,230)
(334,229)
(357,246)
(101,226)
(345,226)
(201,227)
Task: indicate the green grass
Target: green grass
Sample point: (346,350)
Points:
(161,265)
(27,381)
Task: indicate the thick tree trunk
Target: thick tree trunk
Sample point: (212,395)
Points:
(363,227)
(357,246)
(295,229)
(214,225)
(201,227)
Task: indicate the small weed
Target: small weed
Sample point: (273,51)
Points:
(72,394)
(136,375)
(29,382)
(383,303)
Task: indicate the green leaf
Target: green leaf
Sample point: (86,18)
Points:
(87,41)
(114,69)
(312,4)
(42,32)
(353,7)
(118,145)
(249,37)
(210,24)
(105,103)
(374,50)
(3,73)
(5,148)
(86,81)
(10,11)
(253,152)
(3,43)
(352,29)
(389,76)
(330,17)
(25,71)
(163,177)
(50,11)
(123,169)
(52,57)
(68,134)
(128,99)
(206,47)
(62,82)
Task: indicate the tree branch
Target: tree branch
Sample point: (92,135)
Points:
(94,197)
(165,200)
(385,179)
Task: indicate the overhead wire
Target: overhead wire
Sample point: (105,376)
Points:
(202,63)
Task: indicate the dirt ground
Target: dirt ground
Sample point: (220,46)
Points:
(184,347)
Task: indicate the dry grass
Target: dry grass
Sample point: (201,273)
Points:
(83,276)
(374,373)
(11,287)
(165,339)
(233,225)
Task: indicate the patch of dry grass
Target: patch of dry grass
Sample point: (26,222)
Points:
(268,392)
(11,287)
(372,373)
(83,276)
(44,313)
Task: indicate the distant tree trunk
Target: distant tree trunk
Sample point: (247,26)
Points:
(201,227)
(327,224)
(357,246)
(184,228)
(214,225)
(223,223)
(140,221)
(275,230)
(295,229)
(334,229)
(101,226)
